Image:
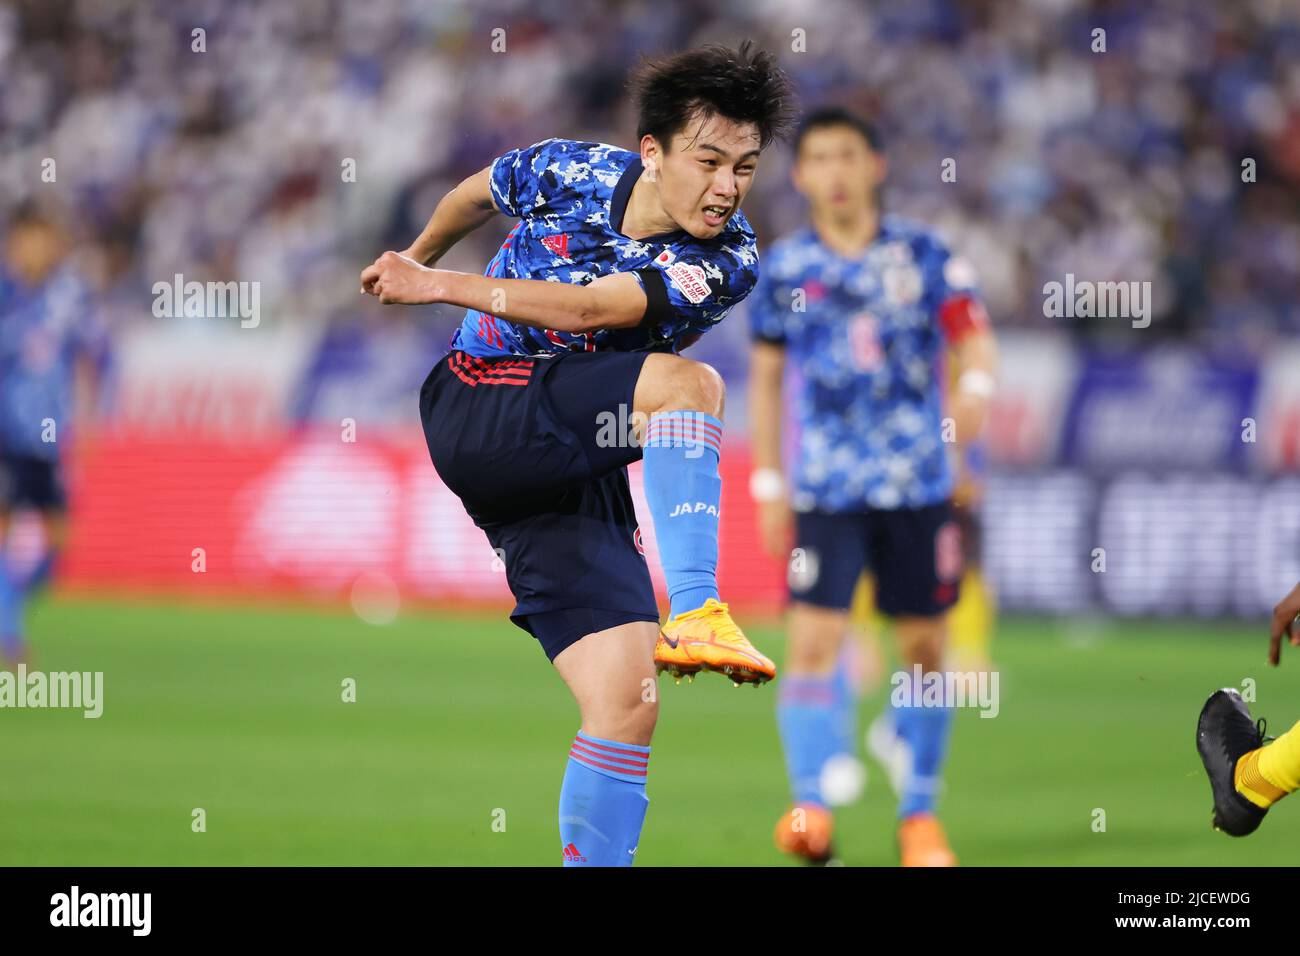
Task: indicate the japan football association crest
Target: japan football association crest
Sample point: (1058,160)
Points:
(903,285)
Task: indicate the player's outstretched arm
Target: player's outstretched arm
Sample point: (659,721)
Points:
(610,302)
(1284,616)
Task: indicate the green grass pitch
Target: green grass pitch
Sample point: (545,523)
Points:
(459,721)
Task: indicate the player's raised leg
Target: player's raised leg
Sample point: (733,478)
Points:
(603,800)
(681,403)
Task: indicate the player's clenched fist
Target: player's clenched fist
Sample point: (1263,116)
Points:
(394,278)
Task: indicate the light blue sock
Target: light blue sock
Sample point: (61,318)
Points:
(925,730)
(40,574)
(844,704)
(11,613)
(603,802)
(684,491)
(806,717)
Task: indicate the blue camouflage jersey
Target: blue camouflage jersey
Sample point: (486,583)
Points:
(43,329)
(864,337)
(570,198)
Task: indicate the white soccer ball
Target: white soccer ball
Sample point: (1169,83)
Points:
(843,780)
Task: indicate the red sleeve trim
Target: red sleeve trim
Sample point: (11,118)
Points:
(962,315)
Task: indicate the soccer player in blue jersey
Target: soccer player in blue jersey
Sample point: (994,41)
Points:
(564,371)
(46,368)
(863,306)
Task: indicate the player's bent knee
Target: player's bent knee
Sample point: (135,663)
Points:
(704,389)
(632,723)
(672,383)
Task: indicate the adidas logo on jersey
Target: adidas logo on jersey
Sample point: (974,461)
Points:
(557,244)
(571,855)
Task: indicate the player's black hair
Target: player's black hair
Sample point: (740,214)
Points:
(828,116)
(744,85)
(29,213)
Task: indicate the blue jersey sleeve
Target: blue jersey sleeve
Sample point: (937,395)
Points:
(956,276)
(958,309)
(944,273)
(691,286)
(524,179)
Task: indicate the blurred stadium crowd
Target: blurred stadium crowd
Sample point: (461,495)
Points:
(229,163)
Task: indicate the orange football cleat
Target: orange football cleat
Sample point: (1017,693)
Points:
(708,639)
(805,831)
(921,842)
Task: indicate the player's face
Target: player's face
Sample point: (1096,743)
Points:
(837,170)
(705,172)
(33,249)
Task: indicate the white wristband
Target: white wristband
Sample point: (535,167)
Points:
(977,382)
(766,484)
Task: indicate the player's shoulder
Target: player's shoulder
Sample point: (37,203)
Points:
(581,150)
(925,240)
(931,251)
(563,163)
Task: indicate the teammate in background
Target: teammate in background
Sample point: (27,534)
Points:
(619,260)
(1249,772)
(46,375)
(864,305)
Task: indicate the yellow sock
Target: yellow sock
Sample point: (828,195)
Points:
(1266,775)
(1279,762)
(863,612)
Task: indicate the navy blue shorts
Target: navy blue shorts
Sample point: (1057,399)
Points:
(914,555)
(32,483)
(537,450)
